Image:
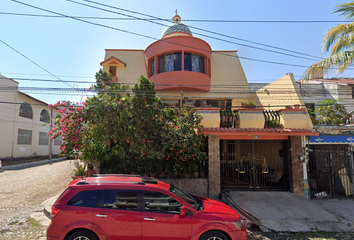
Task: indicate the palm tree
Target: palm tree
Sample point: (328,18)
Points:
(340,41)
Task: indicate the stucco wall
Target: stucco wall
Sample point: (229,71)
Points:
(280,93)
(10,122)
(7,115)
(135,65)
(313,91)
(195,186)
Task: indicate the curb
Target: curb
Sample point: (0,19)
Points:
(248,219)
(32,164)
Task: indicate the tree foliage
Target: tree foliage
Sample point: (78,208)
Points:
(339,41)
(330,112)
(131,130)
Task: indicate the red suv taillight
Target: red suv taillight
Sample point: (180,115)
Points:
(55,211)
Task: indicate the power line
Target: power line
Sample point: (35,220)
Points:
(34,63)
(184,106)
(223,35)
(164,40)
(185,20)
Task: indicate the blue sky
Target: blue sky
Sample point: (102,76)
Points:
(72,50)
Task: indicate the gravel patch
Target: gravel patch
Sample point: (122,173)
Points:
(22,193)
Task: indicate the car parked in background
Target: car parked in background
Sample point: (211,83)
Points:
(110,207)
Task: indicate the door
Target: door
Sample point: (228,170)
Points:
(118,215)
(253,165)
(330,171)
(161,219)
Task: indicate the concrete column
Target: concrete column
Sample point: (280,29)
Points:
(297,166)
(214,166)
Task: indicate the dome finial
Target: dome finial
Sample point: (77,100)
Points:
(176,18)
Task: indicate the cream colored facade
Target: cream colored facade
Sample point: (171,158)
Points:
(228,82)
(13,126)
(227,76)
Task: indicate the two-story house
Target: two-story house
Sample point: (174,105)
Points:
(257,147)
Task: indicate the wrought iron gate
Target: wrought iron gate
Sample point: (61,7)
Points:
(253,165)
(330,171)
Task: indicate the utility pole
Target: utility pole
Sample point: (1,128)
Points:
(50,128)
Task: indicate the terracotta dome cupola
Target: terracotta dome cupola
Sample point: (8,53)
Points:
(179,61)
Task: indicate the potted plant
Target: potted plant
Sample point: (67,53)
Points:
(251,105)
(244,104)
(223,115)
(79,170)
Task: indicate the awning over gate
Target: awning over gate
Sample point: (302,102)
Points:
(332,139)
(257,133)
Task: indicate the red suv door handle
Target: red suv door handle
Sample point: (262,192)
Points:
(149,219)
(101,215)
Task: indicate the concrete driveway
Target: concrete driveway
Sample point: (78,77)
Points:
(286,212)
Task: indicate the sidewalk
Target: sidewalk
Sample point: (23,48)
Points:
(31,164)
(286,212)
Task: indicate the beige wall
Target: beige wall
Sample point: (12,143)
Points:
(10,122)
(7,114)
(280,93)
(228,81)
(135,65)
(227,75)
(36,126)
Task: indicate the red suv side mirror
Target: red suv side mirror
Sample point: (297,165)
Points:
(183,211)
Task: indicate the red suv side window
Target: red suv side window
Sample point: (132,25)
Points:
(86,198)
(120,199)
(159,202)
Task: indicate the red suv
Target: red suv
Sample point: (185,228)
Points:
(134,207)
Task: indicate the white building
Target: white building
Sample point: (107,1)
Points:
(24,123)
(316,90)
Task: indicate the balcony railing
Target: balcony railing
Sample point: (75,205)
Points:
(228,118)
(271,119)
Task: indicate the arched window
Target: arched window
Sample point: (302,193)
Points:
(26,111)
(44,116)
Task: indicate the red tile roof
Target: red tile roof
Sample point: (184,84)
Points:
(113,60)
(260,131)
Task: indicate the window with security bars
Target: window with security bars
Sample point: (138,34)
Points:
(44,116)
(26,111)
(43,138)
(24,137)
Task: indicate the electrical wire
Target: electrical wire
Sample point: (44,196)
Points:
(200,29)
(187,20)
(34,63)
(164,40)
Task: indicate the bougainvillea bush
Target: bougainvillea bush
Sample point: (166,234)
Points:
(132,131)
